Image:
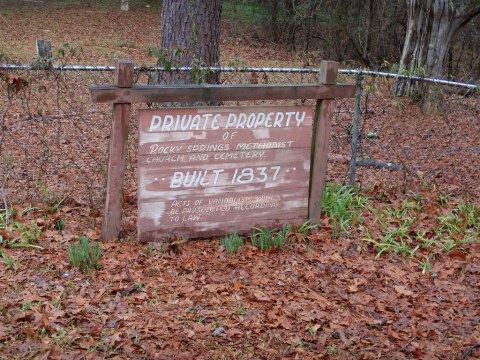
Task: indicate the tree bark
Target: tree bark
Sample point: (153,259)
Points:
(190,36)
(290,8)
(274,20)
(430,29)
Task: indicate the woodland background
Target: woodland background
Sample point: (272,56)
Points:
(391,271)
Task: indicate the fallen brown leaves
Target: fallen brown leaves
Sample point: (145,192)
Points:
(307,300)
(15,83)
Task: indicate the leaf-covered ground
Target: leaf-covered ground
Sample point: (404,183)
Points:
(324,296)
(314,298)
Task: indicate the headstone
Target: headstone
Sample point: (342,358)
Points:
(44,49)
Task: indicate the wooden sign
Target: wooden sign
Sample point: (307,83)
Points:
(213,170)
(225,183)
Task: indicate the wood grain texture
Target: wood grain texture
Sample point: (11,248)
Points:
(124,73)
(328,72)
(212,181)
(223,213)
(320,143)
(117,157)
(192,93)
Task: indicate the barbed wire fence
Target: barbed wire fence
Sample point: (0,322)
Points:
(54,139)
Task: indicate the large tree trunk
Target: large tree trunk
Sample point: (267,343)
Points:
(430,28)
(290,8)
(190,36)
(274,20)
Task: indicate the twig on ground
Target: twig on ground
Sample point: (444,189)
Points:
(469,351)
(131,290)
(378,164)
(129,276)
(408,343)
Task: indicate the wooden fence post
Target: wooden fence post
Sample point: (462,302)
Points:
(117,155)
(321,135)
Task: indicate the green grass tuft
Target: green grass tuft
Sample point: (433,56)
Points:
(232,242)
(397,230)
(85,255)
(265,239)
(341,204)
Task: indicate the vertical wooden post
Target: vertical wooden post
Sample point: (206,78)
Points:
(117,155)
(320,142)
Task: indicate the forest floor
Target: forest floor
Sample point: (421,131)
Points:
(398,280)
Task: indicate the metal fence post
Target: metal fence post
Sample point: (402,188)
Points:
(356,120)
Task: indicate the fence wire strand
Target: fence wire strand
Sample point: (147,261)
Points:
(54,140)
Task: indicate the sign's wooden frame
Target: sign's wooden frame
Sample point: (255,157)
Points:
(123,93)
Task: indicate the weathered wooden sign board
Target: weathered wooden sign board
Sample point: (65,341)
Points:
(210,171)
(207,171)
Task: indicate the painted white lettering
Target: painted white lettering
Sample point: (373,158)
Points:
(265,145)
(204,181)
(251,122)
(191,218)
(260,120)
(254,206)
(158,149)
(242,119)
(212,121)
(155,123)
(217,172)
(278,119)
(165,159)
(198,157)
(194,178)
(231,120)
(167,123)
(215,120)
(300,119)
(289,117)
(176,180)
(195,123)
(184,123)
(180,203)
(269,119)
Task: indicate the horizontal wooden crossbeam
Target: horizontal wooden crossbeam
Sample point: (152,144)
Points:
(192,93)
